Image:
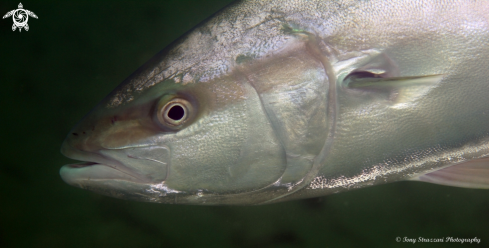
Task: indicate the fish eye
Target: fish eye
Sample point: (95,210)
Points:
(174,113)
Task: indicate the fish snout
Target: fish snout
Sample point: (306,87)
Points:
(143,164)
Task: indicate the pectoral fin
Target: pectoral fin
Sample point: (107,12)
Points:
(473,174)
(401,89)
(394,82)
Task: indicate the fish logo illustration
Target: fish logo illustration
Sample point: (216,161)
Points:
(20,17)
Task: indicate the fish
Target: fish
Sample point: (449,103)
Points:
(270,101)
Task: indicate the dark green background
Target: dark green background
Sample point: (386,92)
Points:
(75,54)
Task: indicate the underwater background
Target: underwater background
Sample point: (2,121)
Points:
(72,57)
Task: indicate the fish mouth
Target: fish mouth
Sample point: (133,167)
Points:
(133,173)
(96,166)
(81,165)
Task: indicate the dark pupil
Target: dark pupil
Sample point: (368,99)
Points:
(176,113)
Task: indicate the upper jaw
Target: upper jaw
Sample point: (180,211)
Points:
(96,166)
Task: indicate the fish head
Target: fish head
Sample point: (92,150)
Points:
(217,117)
(200,143)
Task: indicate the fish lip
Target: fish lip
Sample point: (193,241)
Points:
(96,158)
(81,165)
(86,158)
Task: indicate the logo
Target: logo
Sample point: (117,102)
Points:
(20,17)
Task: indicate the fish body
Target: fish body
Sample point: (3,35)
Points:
(269,101)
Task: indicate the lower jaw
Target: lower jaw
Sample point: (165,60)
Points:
(81,173)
